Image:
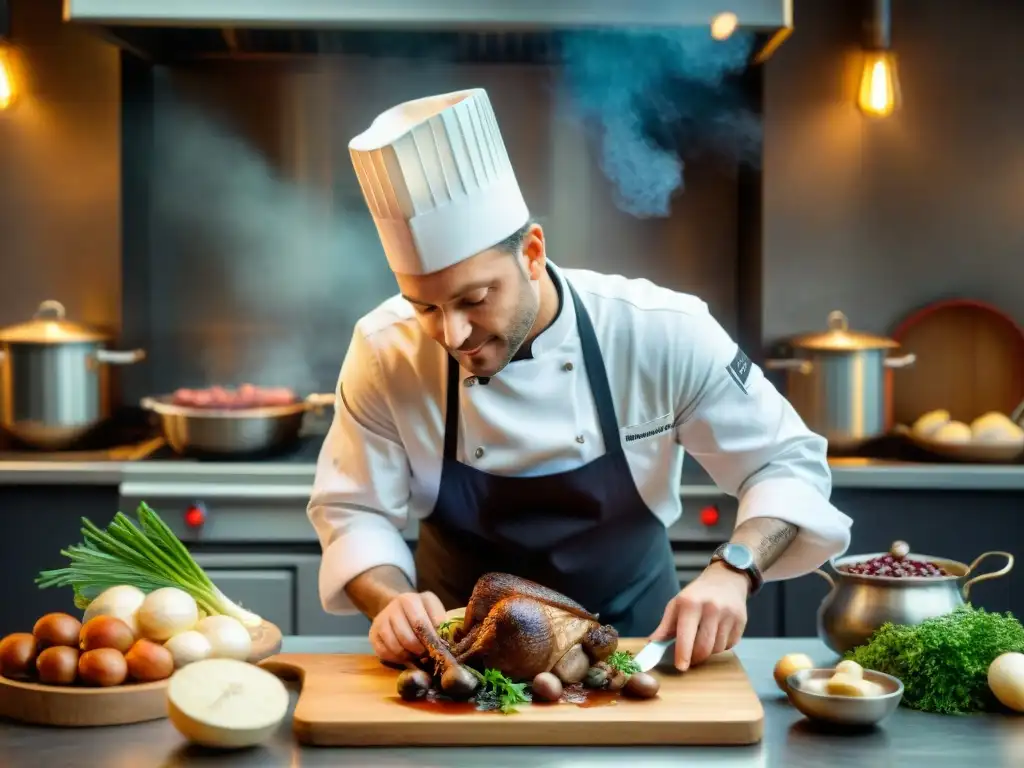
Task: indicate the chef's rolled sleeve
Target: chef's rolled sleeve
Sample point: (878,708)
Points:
(360,493)
(755,446)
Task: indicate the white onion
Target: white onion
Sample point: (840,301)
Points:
(167,612)
(188,647)
(230,640)
(121,602)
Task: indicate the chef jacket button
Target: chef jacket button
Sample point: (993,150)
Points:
(579,438)
(469,382)
(567,367)
(479,452)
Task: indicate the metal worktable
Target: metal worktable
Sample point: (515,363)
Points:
(906,738)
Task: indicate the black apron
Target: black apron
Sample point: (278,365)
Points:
(585,532)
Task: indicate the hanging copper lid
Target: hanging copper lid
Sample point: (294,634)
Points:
(839,338)
(49,326)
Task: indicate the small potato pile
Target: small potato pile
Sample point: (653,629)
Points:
(126,636)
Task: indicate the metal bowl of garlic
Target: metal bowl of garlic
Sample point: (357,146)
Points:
(845,695)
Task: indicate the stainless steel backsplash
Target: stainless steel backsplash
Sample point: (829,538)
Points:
(261,254)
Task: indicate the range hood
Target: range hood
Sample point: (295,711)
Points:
(170,30)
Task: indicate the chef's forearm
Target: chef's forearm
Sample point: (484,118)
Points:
(371,590)
(767,538)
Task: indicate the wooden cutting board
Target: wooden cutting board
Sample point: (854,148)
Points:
(351,700)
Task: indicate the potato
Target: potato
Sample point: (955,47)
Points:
(787,665)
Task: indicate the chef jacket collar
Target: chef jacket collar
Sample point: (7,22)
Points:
(552,337)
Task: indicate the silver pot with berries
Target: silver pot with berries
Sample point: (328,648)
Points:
(897,586)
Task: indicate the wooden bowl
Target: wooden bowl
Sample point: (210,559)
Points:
(79,705)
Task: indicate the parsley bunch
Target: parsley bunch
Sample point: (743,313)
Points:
(624,662)
(499,692)
(943,662)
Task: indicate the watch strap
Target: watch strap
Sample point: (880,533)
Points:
(752,571)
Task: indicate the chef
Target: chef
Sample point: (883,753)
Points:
(532,419)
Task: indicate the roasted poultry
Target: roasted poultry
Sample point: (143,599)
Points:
(522,629)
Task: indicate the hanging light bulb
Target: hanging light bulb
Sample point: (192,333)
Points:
(7,89)
(723,25)
(7,84)
(879,92)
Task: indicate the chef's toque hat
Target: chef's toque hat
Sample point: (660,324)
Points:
(438,181)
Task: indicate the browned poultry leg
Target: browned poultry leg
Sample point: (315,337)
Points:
(466,641)
(456,680)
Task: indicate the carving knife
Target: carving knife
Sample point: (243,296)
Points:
(651,654)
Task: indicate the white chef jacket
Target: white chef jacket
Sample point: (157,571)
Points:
(679,383)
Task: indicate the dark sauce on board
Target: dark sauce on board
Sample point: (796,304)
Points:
(577,695)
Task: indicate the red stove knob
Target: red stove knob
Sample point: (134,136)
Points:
(195,516)
(709,515)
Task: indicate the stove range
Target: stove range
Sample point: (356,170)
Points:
(127,436)
(304,451)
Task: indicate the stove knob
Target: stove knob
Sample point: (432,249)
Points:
(709,515)
(195,516)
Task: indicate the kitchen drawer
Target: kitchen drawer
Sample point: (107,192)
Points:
(268,593)
(264,584)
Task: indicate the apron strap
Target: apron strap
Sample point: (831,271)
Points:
(451,416)
(597,377)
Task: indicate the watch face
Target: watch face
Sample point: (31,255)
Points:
(737,556)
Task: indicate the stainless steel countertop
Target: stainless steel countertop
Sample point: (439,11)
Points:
(906,738)
(846,473)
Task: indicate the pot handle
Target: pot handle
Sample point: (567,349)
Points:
(900,362)
(51,307)
(986,576)
(114,357)
(319,401)
(826,577)
(791,364)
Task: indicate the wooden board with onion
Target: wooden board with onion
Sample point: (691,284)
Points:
(81,706)
(351,700)
(150,611)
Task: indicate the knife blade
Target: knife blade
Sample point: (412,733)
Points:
(651,654)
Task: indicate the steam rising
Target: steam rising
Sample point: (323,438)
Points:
(264,274)
(653,97)
(267,263)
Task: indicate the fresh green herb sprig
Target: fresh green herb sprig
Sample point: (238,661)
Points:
(499,692)
(446,629)
(943,662)
(624,662)
(148,557)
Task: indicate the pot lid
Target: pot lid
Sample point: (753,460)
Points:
(49,326)
(839,338)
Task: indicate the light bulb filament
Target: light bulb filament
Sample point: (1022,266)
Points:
(6,81)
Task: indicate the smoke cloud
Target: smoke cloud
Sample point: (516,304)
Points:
(267,274)
(653,98)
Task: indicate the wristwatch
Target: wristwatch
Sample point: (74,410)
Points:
(740,558)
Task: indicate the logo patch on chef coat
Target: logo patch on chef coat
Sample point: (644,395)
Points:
(739,369)
(647,429)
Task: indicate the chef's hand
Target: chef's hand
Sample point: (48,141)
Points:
(708,616)
(391,632)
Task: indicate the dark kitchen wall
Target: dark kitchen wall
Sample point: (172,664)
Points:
(260,254)
(879,217)
(60,204)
